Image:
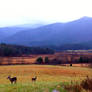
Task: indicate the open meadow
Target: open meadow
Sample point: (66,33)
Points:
(49,77)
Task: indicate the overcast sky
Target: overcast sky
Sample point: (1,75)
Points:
(14,12)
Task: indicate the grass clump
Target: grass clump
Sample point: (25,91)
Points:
(87,84)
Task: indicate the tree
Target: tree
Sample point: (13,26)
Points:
(81,60)
(84,60)
(46,60)
(1,60)
(39,60)
(70,64)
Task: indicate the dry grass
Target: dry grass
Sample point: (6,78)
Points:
(84,86)
(87,84)
(49,78)
(73,88)
(44,73)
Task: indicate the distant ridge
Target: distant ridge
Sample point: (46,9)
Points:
(56,34)
(11,30)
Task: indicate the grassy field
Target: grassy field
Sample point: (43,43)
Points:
(49,77)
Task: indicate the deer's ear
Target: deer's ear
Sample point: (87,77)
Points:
(9,76)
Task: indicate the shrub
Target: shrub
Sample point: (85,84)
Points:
(39,60)
(70,64)
(46,60)
(87,84)
(73,88)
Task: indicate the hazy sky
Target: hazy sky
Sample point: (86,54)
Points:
(13,12)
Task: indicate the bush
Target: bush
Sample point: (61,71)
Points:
(39,60)
(46,60)
(84,60)
(73,88)
(81,60)
(87,84)
(70,64)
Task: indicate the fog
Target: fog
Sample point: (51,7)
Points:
(14,12)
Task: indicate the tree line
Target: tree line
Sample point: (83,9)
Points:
(15,50)
(55,61)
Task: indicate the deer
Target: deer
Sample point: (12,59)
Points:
(34,79)
(12,80)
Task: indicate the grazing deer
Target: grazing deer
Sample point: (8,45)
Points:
(34,79)
(12,80)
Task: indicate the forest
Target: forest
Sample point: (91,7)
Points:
(16,50)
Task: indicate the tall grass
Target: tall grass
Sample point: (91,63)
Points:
(32,87)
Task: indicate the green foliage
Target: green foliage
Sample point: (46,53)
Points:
(31,87)
(15,50)
(39,60)
(70,64)
(46,60)
(81,60)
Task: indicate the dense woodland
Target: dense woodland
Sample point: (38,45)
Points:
(15,50)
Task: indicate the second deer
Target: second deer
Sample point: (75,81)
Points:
(34,79)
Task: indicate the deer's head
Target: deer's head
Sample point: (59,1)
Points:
(9,77)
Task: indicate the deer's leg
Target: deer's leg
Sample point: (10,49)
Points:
(15,81)
(11,82)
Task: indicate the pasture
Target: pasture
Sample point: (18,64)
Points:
(49,77)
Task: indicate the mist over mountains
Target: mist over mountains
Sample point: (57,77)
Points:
(57,34)
(6,32)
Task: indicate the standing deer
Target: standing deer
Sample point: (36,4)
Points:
(34,79)
(12,80)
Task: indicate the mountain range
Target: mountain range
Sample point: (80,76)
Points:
(6,32)
(56,34)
